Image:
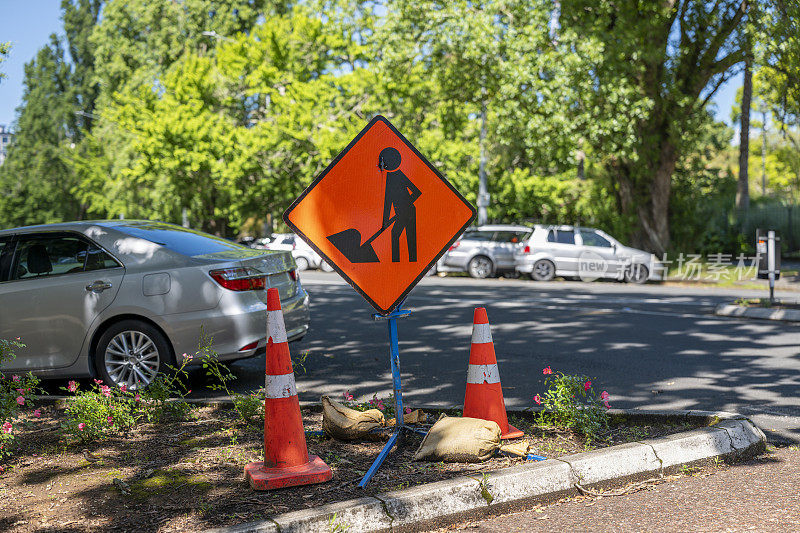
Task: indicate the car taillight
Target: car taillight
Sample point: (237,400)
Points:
(527,249)
(293,274)
(454,246)
(248,347)
(240,279)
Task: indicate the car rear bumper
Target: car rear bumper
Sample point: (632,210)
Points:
(230,328)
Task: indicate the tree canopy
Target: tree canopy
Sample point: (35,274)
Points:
(224,111)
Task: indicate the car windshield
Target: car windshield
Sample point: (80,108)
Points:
(184,241)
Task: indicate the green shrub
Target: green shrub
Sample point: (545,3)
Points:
(94,414)
(165,397)
(384,405)
(16,392)
(103,410)
(250,406)
(571,401)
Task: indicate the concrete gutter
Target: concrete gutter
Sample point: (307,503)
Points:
(786,315)
(432,505)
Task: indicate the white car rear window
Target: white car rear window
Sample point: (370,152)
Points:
(184,241)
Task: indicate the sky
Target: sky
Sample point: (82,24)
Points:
(28,25)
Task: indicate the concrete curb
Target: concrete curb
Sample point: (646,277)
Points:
(437,504)
(786,315)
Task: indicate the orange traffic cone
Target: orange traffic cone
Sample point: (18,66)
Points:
(484,397)
(286,460)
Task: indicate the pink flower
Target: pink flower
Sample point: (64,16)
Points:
(607,406)
(17,338)
(347,396)
(380,405)
(124,388)
(98,381)
(136,397)
(547,371)
(37,413)
(587,385)
(406,410)
(72,386)
(21,400)
(106,390)
(7,427)
(15,378)
(110,419)
(187,357)
(81,426)
(604,395)
(537,399)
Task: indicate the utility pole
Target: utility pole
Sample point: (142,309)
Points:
(483,194)
(764,152)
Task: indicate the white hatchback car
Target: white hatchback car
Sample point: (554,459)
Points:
(584,253)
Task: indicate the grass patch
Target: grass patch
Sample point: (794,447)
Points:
(166,481)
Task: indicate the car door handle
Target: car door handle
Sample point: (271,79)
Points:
(98,286)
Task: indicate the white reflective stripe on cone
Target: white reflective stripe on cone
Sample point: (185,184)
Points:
(280,386)
(480,373)
(275,327)
(481,333)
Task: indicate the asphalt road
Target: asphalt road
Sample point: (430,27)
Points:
(649,346)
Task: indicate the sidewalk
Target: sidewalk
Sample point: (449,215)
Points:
(758,495)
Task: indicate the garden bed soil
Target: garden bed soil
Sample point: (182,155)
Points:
(182,475)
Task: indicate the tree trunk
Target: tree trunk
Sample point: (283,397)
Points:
(657,227)
(743,187)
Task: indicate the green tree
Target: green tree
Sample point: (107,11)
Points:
(80,18)
(666,58)
(237,133)
(450,70)
(36,179)
(137,40)
(5,48)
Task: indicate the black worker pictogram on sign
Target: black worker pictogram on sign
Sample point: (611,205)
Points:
(380,214)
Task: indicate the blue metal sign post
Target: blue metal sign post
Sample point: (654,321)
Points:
(394,362)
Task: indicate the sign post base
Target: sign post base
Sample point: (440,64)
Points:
(394,361)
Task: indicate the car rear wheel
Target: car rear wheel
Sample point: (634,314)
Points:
(480,267)
(302,263)
(543,270)
(131,353)
(636,274)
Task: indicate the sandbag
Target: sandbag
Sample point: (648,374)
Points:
(414,417)
(466,440)
(460,440)
(343,423)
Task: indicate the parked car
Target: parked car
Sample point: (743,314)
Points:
(252,242)
(584,253)
(121,299)
(303,254)
(484,251)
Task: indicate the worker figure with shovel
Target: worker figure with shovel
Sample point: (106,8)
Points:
(400,194)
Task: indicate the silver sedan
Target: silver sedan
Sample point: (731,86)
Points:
(122,299)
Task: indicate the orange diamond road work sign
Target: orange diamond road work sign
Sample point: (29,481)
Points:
(380,214)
